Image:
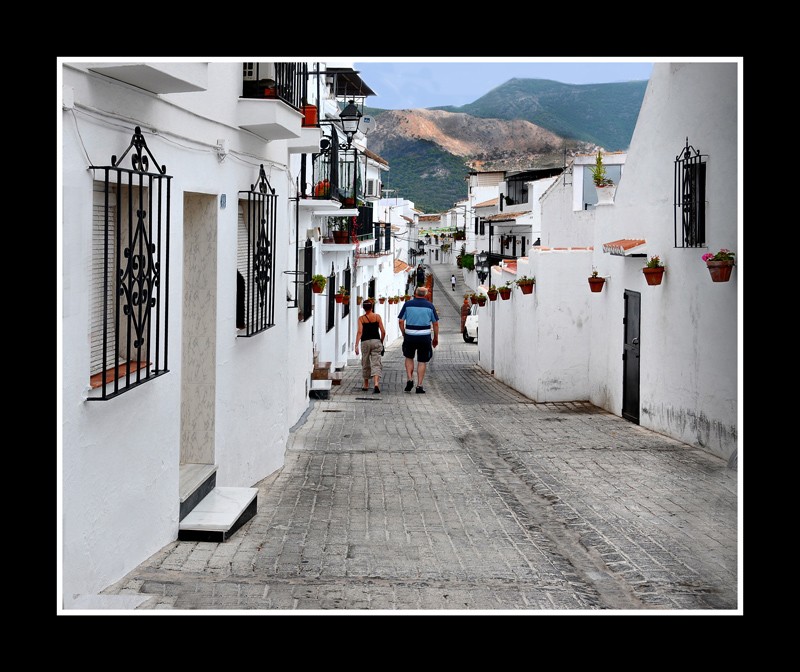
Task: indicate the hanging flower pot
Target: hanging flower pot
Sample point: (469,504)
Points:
(596,284)
(359,300)
(492,294)
(720,264)
(654,270)
(653,275)
(318,283)
(481,300)
(338,298)
(505,293)
(345,300)
(720,270)
(382,299)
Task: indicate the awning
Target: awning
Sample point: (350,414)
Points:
(626,247)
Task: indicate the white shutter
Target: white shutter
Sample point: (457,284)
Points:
(97,286)
(241,255)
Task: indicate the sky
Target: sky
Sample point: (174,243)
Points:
(418,83)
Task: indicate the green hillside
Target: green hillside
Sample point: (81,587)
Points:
(604,114)
(424,173)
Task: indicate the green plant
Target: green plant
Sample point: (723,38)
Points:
(340,223)
(492,288)
(468,261)
(343,291)
(509,285)
(594,272)
(723,255)
(320,281)
(525,280)
(654,262)
(599,175)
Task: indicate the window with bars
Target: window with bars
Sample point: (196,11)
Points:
(129,273)
(690,198)
(305,268)
(255,261)
(346,306)
(331,314)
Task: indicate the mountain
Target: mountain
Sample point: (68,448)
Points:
(523,124)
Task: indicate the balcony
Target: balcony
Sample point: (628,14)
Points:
(270,119)
(158,78)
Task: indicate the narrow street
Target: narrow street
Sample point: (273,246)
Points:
(471,497)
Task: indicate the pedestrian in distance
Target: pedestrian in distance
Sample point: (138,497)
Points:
(370,336)
(419,324)
(453,282)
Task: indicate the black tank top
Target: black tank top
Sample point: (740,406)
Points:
(370,330)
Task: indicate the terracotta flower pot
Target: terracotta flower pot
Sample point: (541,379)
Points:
(526,289)
(653,275)
(492,295)
(720,270)
(338,298)
(341,237)
(505,294)
(316,288)
(596,284)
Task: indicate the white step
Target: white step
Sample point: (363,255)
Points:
(219,514)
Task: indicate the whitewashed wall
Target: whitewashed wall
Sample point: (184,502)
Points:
(689,356)
(120,458)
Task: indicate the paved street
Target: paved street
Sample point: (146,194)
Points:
(471,497)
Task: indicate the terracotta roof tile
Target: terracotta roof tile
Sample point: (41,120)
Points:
(401,266)
(486,204)
(625,246)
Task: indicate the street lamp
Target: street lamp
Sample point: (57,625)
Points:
(350,117)
(481,268)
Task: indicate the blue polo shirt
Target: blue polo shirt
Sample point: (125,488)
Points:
(418,314)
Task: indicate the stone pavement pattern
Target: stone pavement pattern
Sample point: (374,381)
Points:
(470,497)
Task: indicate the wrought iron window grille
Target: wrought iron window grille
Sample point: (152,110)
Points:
(331,314)
(690,198)
(133,347)
(260,222)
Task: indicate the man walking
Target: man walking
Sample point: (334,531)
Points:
(418,320)
(453,282)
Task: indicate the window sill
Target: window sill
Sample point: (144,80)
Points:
(115,372)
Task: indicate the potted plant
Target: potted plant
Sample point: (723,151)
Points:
(472,296)
(603,184)
(322,189)
(406,297)
(653,270)
(359,300)
(341,230)
(720,264)
(526,284)
(480,299)
(505,290)
(339,296)
(595,282)
(492,293)
(318,283)
(382,299)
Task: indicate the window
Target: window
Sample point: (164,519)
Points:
(129,274)
(331,301)
(690,195)
(255,260)
(304,293)
(346,306)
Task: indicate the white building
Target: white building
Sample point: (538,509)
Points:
(189,334)
(663,356)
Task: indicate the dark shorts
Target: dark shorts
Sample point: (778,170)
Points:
(421,346)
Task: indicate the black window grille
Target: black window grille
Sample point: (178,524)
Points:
(306,254)
(690,198)
(131,246)
(346,306)
(257,257)
(285,81)
(482,230)
(387,237)
(331,300)
(364,224)
(477,219)
(371,290)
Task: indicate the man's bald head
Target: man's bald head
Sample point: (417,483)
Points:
(421,292)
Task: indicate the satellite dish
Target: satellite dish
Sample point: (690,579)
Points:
(367,124)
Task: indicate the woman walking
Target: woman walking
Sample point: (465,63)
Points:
(369,338)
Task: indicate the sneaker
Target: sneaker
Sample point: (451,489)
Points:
(409,385)
(420,390)
(377,390)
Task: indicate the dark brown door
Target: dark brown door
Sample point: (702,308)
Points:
(630,357)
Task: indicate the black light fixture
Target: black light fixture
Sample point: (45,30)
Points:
(350,117)
(480,266)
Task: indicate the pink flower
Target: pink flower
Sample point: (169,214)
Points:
(707,256)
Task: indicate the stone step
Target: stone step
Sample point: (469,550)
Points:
(220,513)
